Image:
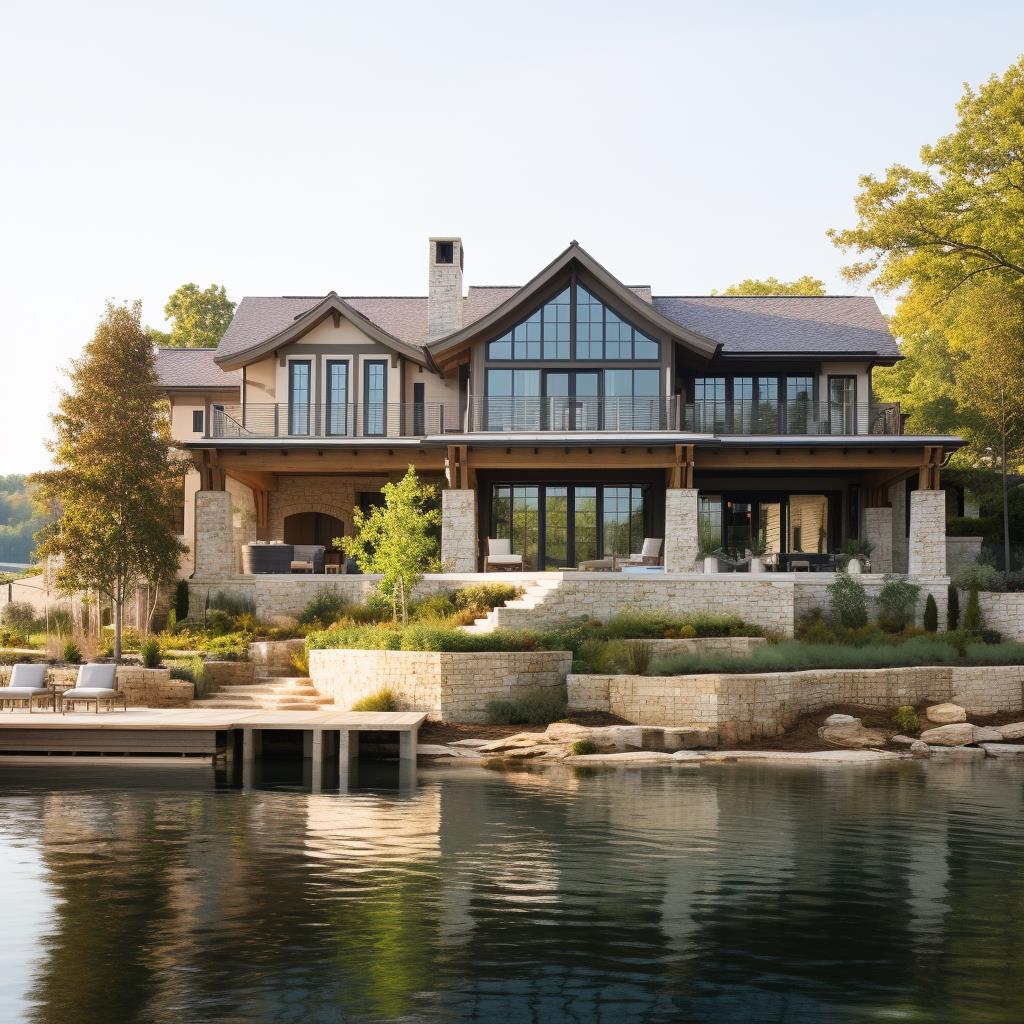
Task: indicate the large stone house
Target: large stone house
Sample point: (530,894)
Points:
(573,416)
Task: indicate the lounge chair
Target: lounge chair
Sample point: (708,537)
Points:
(95,683)
(609,564)
(308,558)
(28,683)
(499,556)
(649,554)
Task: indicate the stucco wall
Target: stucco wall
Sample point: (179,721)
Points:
(449,686)
(741,707)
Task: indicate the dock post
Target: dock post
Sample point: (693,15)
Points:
(348,751)
(407,745)
(248,757)
(317,750)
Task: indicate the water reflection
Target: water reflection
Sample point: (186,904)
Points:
(729,893)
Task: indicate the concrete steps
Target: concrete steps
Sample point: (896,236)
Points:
(269,693)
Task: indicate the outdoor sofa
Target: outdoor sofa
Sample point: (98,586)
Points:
(95,684)
(28,683)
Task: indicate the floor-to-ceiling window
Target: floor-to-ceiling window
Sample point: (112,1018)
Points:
(842,405)
(337,413)
(553,525)
(299,395)
(375,397)
(801,415)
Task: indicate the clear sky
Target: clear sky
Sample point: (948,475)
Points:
(295,148)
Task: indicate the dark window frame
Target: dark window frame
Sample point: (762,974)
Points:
(198,421)
(383,403)
(308,363)
(828,395)
(444,254)
(328,404)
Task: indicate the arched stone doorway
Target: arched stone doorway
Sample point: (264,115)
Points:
(312,528)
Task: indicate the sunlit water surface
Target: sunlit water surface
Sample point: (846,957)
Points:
(729,893)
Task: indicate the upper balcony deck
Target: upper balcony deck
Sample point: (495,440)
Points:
(531,415)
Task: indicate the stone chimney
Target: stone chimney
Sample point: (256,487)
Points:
(444,299)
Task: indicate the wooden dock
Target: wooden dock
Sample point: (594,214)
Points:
(205,733)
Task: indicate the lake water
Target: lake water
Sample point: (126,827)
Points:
(727,893)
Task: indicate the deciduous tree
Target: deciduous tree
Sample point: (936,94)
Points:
(114,470)
(199,317)
(805,285)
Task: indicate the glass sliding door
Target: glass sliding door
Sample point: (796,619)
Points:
(585,524)
(622,520)
(375,397)
(842,405)
(709,410)
(556,527)
(571,399)
(300,372)
(800,411)
(513,400)
(337,413)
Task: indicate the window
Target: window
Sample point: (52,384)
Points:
(375,389)
(709,518)
(632,400)
(444,252)
(419,409)
(801,415)
(197,421)
(709,405)
(299,395)
(513,400)
(622,520)
(808,523)
(842,405)
(337,397)
(548,332)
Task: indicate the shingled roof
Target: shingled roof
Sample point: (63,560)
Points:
(193,368)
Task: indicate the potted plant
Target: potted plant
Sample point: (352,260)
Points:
(855,556)
(708,546)
(758,549)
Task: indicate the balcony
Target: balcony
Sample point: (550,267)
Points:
(354,420)
(555,414)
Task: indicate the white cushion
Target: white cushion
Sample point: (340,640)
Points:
(505,559)
(21,692)
(96,677)
(82,692)
(651,548)
(33,676)
(496,546)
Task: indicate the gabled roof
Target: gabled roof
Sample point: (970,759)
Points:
(758,325)
(193,368)
(250,340)
(575,257)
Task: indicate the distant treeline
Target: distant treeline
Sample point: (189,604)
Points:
(19,519)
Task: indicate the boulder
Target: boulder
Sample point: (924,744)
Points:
(435,750)
(834,720)
(690,739)
(946,714)
(1003,749)
(1012,731)
(471,744)
(852,737)
(957,735)
(986,734)
(958,753)
(920,749)
(520,739)
(605,738)
(902,741)
(629,757)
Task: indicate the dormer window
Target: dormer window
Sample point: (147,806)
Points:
(444,252)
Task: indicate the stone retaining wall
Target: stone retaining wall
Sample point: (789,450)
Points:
(741,707)
(961,552)
(666,648)
(453,687)
(1004,612)
(228,673)
(143,687)
(274,657)
(812,592)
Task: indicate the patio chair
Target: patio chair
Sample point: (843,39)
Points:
(95,683)
(649,554)
(308,558)
(28,683)
(499,556)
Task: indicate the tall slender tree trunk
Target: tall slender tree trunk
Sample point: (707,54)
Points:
(1006,512)
(118,604)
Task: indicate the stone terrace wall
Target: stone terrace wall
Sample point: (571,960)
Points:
(812,592)
(741,707)
(143,687)
(228,673)
(1004,612)
(453,687)
(274,657)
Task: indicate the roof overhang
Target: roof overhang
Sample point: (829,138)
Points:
(609,288)
(332,305)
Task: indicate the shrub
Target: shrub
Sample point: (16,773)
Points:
(1014,581)
(150,652)
(326,606)
(931,614)
(953,607)
(482,597)
(896,603)
(638,657)
(537,707)
(71,654)
(19,617)
(219,622)
(579,747)
(848,601)
(433,609)
(972,614)
(232,604)
(385,699)
(906,720)
(181,600)
(228,646)
(979,577)
(192,670)
(991,636)
(59,621)
(300,662)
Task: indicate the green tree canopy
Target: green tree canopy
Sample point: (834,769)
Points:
(398,539)
(115,474)
(805,285)
(199,317)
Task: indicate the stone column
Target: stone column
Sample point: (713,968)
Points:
(927,545)
(680,529)
(877,531)
(898,501)
(458,530)
(215,536)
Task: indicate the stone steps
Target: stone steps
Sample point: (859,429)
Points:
(269,692)
(535,593)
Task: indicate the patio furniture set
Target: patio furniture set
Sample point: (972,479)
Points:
(500,557)
(95,685)
(264,558)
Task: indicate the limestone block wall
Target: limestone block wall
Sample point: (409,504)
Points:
(332,495)
(927,544)
(898,501)
(812,592)
(738,645)
(228,673)
(453,687)
(274,657)
(741,707)
(680,529)
(961,552)
(458,530)
(214,549)
(1004,612)
(878,533)
(143,687)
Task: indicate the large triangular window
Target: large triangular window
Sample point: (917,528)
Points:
(574,325)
